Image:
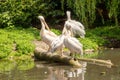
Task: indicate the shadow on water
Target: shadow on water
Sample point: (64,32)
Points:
(45,71)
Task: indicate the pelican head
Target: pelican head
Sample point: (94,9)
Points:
(68,12)
(68,15)
(41,18)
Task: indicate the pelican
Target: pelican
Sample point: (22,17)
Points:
(58,43)
(47,36)
(77,27)
(73,44)
(66,40)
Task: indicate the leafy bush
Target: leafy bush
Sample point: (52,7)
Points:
(16,12)
(5,49)
(17,41)
(105,32)
(89,44)
(58,32)
(24,13)
(24,47)
(98,37)
(5,44)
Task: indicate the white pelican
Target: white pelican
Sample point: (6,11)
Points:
(66,40)
(77,27)
(58,43)
(73,44)
(47,36)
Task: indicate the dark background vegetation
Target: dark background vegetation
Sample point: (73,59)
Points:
(92,13)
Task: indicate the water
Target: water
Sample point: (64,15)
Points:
(45,71)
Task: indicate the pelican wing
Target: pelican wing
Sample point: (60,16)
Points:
(75,29)
(47,37)
(52,34)
(73,45)
(77,24)
(57,43)
(76,41)
(70,42)
(78,31)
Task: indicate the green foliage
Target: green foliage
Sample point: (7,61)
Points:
(113,6)
(24,47)
(17,41)
(18,12)
(5,50)
(5,44)
(58,32)
(84,10)
(97,37)
(106,32)
(88,11)
(88,55)
(89,44)
(91,55)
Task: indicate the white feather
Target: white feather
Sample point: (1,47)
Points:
(77,27)
(57,44)
(46,35)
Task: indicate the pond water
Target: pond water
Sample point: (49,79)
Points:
(45,71)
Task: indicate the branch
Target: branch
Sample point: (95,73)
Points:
(42,55)
(97,61)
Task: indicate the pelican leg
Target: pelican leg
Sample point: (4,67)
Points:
(61,52)
(81,53)
(75,57)
(72,55)
(49,50)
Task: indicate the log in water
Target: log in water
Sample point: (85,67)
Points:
(41,54)
(46,56)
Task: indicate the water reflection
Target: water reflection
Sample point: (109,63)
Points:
(27,70)
(7,65)
(14,70)
(62,72)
